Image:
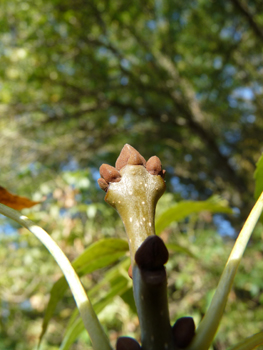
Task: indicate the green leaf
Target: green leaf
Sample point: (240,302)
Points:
(120,269)
(72,333)
(96,256)
(258,176)
(118,285)
(185,208)
(128,298)
(74,315)
(180,249)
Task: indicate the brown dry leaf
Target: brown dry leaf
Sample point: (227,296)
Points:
(14,201)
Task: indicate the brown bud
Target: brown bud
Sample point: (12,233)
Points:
(152,254)
(127,343)
(183,331)
(136,159)
(129,155)
(154,166)
(103,184)
(109,173)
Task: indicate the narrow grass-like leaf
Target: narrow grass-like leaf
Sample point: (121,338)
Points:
(88,315)
(185,208)
(72,333)
(249,343)
(120,286)
(207,329)
(96,256)
(74,315)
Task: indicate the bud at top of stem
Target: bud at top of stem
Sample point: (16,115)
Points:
(133,188)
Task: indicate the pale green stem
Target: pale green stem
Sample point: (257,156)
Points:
(135,198)
(209,324)
(89,317)
(249,343)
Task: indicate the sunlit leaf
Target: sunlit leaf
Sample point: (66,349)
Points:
(119,286)
(96,256)
(185,208)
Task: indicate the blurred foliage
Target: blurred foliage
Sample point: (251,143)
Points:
(78,80)
(193,273)
(182,79)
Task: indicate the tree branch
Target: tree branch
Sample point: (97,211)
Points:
(242,7)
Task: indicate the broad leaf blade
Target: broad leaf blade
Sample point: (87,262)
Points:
(185,208)
(96,256)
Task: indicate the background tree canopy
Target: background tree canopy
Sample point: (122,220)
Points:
(184,80)
(79,79)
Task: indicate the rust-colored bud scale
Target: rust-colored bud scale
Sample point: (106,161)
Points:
(129,155)
(103,184)
(109,173)
(154,166)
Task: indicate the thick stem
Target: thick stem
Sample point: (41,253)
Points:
(150,294)
(135,197)
(133,189)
